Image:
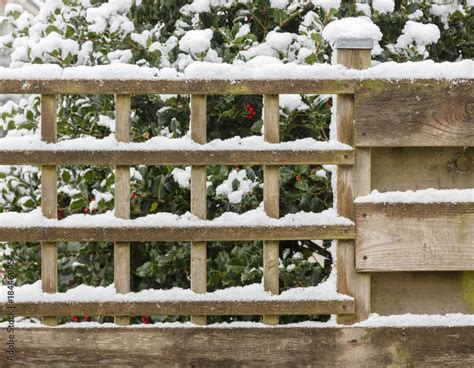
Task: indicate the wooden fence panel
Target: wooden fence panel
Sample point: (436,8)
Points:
(49,250)
(414,114)
(251,347)
(415,237)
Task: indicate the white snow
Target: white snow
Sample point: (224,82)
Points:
(279,4)
(418,34)
(418,320)
(251,71)
(420,196)
(374,321)
(327,4)
(157,144)
(182,176)
(196,41)
(352,28)
(383,6)
(253,218)
(253,292)
(244,186)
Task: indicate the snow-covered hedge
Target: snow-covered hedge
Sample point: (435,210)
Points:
(175,34)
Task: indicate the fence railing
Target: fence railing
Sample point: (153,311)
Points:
(373,104)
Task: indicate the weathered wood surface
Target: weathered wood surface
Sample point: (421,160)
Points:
(49,199)
(251,347)
(271,201)
(422,167)
(422,292)
(198,126)
(189,233)
(419,113)
(184,308)
(123,105)
(141,87)
(174,157)
(351,182)
(415,237)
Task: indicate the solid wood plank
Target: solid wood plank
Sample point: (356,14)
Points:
(49,250)
(431,237)
(189,86)
(122,200)
(433,114)
(350,183)
(422,167)
(271,201)
(422,292)
(184,308)
(250,347)
(174,157)
(163,233)
(198,126)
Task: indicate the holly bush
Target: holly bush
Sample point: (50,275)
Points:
(148,33)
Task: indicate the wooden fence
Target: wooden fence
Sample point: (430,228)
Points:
(395,129)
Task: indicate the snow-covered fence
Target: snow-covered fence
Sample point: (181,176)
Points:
(385,128)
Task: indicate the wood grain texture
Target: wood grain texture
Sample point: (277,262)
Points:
(433,114)
(422,292)
(49,206)
(184,308)
(422,167)
(431,237)
(198,127)
(173,157)
(271,200)
(250,347)
(141,87)
(351,182)
(122,200)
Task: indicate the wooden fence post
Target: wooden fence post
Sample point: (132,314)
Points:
(122,201)
(271,195)
(352,181)
(198,200)
(49,250)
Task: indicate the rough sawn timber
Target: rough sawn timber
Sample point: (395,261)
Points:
(184,308)
(415,236)
(414,114)
(250,347)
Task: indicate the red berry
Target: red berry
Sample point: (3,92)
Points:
(248,106)
(75,319)
(297,178)
(254,113)
(330,102)
(146,320)
(86,210)
(134,195)
(249,116)
(59,214)
(87,318)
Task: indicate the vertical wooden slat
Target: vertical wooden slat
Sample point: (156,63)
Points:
(49,251)
(351,183)
(198,200)
(271,199)
(122,201)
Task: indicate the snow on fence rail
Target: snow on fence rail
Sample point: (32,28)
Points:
(370,97)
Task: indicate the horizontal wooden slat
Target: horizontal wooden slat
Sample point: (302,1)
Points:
(418,113)
(240,346)
(183,308)
(415,237)
(189,233)
(140,87)
(174,157)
